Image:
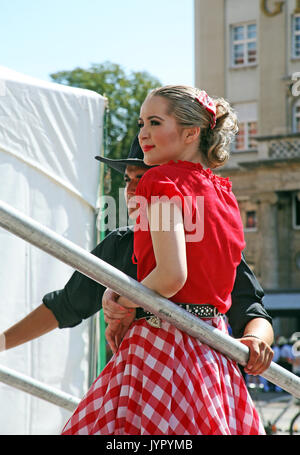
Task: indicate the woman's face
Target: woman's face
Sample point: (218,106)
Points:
(160,137)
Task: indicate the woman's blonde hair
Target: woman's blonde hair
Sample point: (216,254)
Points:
(214,144)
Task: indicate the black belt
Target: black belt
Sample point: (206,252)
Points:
(202,311)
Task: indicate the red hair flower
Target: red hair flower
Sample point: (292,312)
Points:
(209,105)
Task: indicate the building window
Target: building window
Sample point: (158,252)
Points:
(248,211)
(245,139)
(296,211)
(250,220)
(296,36)
(296,117)
(244,45)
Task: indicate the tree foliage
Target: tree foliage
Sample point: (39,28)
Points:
(125,94)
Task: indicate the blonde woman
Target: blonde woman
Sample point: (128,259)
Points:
(161,381)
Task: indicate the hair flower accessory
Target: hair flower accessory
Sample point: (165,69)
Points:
(209,105)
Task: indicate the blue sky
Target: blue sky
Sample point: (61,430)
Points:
(39,37)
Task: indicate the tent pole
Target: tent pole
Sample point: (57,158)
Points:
(101,235)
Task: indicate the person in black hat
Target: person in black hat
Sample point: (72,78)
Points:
(82,297)
(135,158)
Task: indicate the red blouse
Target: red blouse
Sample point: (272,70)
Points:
(213,228)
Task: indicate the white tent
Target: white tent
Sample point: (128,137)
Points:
(49,135)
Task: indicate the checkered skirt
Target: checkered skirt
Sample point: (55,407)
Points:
(165,382)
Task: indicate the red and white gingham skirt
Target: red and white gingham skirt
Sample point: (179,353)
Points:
(165,382)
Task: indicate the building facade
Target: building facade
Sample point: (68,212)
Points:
(249,53)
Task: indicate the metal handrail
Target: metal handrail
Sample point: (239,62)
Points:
(38,389)
(103,273)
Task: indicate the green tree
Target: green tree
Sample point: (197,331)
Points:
(125,94)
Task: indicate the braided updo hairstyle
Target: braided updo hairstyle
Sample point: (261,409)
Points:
(214,144)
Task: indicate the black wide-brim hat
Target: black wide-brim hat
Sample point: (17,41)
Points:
(135,158)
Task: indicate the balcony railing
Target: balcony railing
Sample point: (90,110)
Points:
(269,149)
(280,147)
(284,148)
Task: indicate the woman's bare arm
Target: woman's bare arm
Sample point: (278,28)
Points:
(169,274)
(168,240)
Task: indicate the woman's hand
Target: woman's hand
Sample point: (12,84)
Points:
(117,317)
(260,357)
(113,306)
(116,330)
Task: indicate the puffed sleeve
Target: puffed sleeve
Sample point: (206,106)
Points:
(154,185)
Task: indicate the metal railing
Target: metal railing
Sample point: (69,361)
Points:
(38,389)
(101,272)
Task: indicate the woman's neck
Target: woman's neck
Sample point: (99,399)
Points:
(192,155)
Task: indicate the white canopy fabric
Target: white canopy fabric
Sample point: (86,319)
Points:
(49,135)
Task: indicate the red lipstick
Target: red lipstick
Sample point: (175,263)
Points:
(147,148)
